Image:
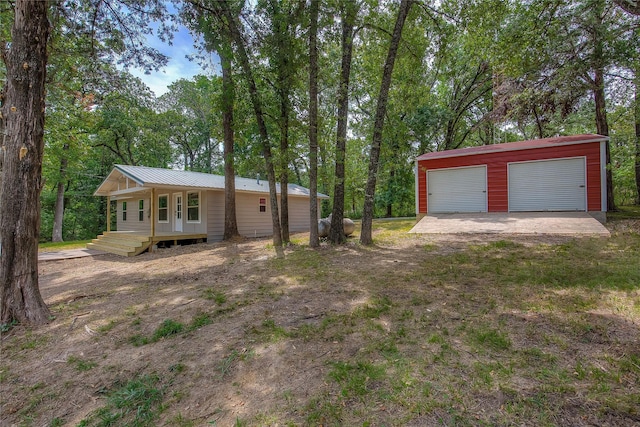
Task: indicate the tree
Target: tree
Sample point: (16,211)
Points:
(230,219)
(348,15)
(313,124)
(234,30)
(381,109)
(23,116)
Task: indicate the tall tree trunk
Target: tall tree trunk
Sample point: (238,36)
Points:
(284,166)
(366,237)
(230,219)
(602,126)
(23,112)
(314,240)
(392,175)
(336,234)
(223,8)
(637,127)
(58,212)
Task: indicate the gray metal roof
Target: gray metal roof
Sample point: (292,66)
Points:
(157,177)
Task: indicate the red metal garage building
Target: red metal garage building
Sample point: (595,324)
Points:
(565,173)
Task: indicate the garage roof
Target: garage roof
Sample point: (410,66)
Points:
(513,146)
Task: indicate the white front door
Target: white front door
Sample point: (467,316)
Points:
(177,212)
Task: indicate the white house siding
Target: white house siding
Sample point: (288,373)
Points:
(298,214)
(252,222)
(215,216)
(133,223)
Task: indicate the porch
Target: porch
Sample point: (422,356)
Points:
(132,243)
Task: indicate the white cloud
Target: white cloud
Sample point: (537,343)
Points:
(178,67)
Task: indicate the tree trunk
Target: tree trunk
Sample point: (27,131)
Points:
(336,234)
(257,108)
(230,220)
(637,127)
(392,174)
(58,212)
(602,125)
(284,166)
(23,112)
(381,110)
(314,240)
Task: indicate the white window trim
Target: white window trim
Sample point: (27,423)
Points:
(186,204)
(140,210)
(167,208)
(124,211)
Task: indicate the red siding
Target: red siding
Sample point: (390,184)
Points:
(497,171)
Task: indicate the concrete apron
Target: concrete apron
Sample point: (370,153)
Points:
(561,223)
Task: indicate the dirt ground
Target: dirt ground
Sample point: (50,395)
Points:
(272,331)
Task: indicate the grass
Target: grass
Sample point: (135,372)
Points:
(136,403)
(624,212)
(413,331)
(62,246)
(80,364)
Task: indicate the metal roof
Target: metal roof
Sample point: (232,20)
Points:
(147,177)
(513,146)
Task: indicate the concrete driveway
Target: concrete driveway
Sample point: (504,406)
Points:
(562,223)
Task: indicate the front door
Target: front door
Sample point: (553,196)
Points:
(177,212)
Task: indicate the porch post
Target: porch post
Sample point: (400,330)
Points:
(153,221)
(108,213)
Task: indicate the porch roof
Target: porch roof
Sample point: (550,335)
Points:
(126,179)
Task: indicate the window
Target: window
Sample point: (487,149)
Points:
(124,211)
(263,204)
(140,210)
(163,208)
(193,207)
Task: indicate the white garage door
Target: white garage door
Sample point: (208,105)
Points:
(549,185)
(457,190)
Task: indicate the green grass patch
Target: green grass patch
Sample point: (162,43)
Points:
(270,332)
(212,294)
(356,378)
(490,338)
(81,365)
(166,329)
(374,309)
(226,365)
(624,212)
(62,246)
(136,403)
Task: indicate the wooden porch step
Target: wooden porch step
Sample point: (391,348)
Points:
(125,236)
(110,249)
(123,245)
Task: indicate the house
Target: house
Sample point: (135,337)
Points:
(160,205)
(566,173)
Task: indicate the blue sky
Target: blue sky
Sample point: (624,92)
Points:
(178,67)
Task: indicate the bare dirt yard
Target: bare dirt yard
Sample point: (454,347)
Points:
(415,331)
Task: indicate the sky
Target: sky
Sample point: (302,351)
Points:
(178,66)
